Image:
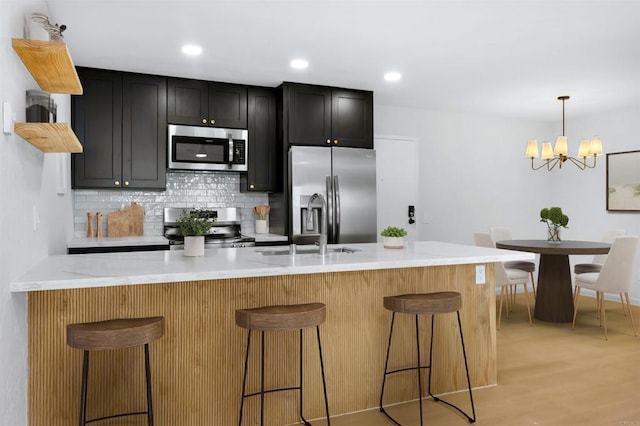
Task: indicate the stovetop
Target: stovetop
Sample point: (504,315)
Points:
(225,230)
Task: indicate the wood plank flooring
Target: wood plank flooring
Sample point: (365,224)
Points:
(547,375)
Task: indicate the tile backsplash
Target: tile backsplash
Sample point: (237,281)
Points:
(184,189)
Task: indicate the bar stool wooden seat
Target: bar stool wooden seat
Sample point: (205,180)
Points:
(109,335)
(278,318)
(425,304)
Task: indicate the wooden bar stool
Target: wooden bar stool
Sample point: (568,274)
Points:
(282,317)
(424,304)
(114,334)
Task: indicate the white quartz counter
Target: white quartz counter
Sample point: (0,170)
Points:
(113,269)
(118,242)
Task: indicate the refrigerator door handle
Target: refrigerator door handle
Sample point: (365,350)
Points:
(336,189)
(329,225)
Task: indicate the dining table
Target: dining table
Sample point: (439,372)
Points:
(554,295)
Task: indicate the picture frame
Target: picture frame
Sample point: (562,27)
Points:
(623,181)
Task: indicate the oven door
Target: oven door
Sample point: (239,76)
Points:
(206,148)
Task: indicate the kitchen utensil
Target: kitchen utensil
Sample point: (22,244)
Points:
(262,211)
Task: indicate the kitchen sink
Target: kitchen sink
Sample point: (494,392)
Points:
(304,250)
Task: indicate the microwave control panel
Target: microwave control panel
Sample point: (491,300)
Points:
(239,152)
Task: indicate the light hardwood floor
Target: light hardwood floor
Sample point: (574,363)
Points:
(547,375)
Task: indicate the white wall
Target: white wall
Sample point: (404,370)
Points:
(27,179)
(473,174)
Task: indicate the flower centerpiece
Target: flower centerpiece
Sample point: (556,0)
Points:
(554,218)
(193,225)
(393,237)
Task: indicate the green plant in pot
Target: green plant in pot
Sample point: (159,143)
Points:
(555,219)
(194,224)
(393,237)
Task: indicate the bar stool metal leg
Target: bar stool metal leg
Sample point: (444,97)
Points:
(418,369)
(472,418)
(244,378)
(306,423)
(324,383)
(83,393)
(147,368)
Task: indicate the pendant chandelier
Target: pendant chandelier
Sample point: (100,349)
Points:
(559,154)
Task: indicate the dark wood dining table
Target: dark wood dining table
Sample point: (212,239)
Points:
(554,298)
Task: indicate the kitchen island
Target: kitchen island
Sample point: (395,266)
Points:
(197,366)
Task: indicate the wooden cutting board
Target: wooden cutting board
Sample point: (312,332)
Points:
(126,223)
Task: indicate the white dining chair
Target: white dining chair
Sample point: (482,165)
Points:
(616,276)
(599,259)
(499,233)
(505,278)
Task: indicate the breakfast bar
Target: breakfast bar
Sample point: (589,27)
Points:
(197,365)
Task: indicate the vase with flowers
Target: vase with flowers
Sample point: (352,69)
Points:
(555,219)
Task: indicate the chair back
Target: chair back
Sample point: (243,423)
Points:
(484,240)
(499,233)
(618,271)
(608,237)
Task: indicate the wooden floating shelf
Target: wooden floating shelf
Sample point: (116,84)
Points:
(50,65)
(49,137)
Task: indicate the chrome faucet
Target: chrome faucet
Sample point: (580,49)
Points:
(322,240)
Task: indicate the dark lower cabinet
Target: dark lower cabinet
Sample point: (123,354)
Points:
(202,103)
(327,116)
(261,175)
(120,119)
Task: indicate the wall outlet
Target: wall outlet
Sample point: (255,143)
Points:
(480,272)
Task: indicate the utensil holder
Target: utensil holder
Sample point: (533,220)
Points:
(261,226)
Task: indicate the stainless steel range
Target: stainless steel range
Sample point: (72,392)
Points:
(225,228)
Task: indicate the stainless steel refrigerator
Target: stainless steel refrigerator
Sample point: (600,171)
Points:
(346,179)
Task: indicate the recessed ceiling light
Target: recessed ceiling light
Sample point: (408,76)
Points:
(392,76)
(191,49)
(299,64)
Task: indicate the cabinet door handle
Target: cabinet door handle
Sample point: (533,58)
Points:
(335,141)
(117,183)
(213,121)
(328,140)
(251,186)
(204,121)
(126,183)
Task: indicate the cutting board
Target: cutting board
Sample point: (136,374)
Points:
(127,222)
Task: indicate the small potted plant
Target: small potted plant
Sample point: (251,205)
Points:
(393,238)
(193,226)
(554,218)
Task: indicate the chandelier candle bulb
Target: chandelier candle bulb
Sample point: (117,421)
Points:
(583,151)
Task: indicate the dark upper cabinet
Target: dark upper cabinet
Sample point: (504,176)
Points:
(96,118)
(318,115)
(202,103)
(261,174)
(144,131)
(120,119)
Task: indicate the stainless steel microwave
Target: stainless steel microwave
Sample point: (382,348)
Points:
(207,148)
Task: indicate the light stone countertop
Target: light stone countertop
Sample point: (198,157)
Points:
(113,269)
(156,240)
(262,238)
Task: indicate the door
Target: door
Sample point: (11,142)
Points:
(354,181)
(188,102)
(96,119)
(352,118)
(310,167)
(307,114)
(261,174)
(144,131)
(227,105)
(397,183)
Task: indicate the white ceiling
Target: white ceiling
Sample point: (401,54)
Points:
(508,58)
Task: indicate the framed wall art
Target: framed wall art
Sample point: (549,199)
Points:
(623,181)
